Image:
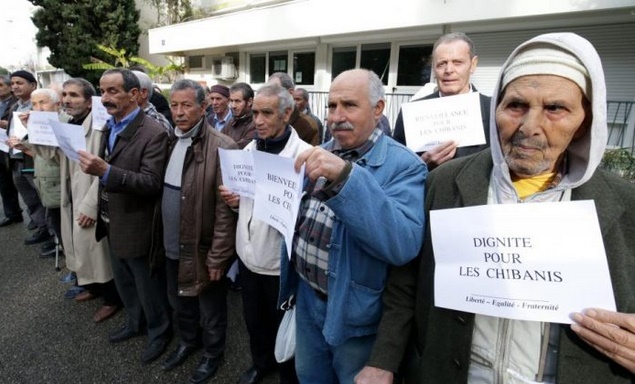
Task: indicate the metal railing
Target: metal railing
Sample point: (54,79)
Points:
(620,116)
(621,123)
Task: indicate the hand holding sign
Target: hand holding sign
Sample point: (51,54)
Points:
(611,333)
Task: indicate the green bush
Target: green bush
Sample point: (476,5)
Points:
(620,161)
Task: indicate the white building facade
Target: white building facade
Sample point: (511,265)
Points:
(314,40)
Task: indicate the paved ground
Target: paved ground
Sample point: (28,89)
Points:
(45,338)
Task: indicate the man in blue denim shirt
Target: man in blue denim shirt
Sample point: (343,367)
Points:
(362,212)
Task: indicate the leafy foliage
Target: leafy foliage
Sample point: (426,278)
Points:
(121,59)
(620,161)
(172,11)
(73,29)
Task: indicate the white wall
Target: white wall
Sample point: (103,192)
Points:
(322,19)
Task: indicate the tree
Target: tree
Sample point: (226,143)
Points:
(171,11)
(72,30)
(122,59)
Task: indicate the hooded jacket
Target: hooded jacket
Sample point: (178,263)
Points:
(440,340)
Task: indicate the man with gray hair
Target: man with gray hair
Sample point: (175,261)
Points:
(548,138)
(454,61)
(199,232)
(305,126)
(145,94)
(258,244)
(362,212)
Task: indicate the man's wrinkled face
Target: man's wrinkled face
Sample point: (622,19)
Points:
(219,103)
(22,88)
(270,123)
(74,102)
(453,67)
(118,102)
(538,117)
(351,117)
(186,110)
(43,102)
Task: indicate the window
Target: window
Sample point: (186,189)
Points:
(304,68)
(343,59)
(278,62)
(195,62)
(257,66)
(376,57)
(415,65)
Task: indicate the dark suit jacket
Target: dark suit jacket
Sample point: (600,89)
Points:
(400,135)
(135,182)
(443,337)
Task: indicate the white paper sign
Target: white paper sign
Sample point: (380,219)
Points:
(278,193)
(100,115)
(428,123)
(3,141)
(40,130)
(70,139)
(18,129)
(237,167)
(535,261)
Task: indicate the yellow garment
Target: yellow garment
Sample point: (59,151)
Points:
(527,187)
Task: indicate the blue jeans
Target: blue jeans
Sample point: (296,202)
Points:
(316,361)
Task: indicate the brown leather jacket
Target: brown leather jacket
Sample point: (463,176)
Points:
(208,226)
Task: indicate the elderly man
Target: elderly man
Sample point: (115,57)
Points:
(362,212)
(130,168)
(88,258)
(23,83)
(218,111)
(548,138)
(199,232)
(46,165)
(305,126)
(258,244)
(145,94)
(454,61)
(8,192)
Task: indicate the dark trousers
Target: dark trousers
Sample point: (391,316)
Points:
(54,218)
(143,296)
(107,291)
(10,201)
(27,189)
(262,316)
(202,317)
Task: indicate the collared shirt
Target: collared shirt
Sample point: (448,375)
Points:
(315,223)
(115,129)
(151,110)
(217,123)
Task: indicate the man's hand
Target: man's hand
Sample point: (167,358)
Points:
(214,274)
(24,118)
(230,198)
(439,154)
(16,143)
(612,333)
(91,164)
(372,375)
(85,221)
(320,162)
